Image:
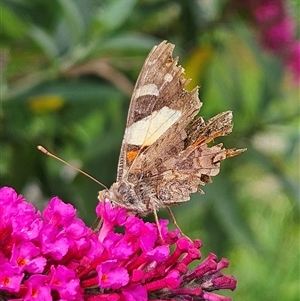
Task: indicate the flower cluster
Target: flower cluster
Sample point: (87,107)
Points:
(54,256)
(277,30)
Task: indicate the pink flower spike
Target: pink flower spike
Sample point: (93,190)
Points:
(182,245)
(132,264)
(214,297)
(112,276)
(293,61)
(104,297)
(59,213)
(197,243)
(278,36)
(267,12)
(65,282)
(38,289)
(137,275)
(53,242)
(155,285)
(18,219)
(277,28)
(9,196)
(117,247)
(10,278)
(223,263)
(173,279)
(156,272)
(158,254)
(133,226)
(209,264)
(111,217)
(135,293)
(170,237)
(181,268)
(110,214)
(194,291)
(192,255)
(224,282)
(148,237)
(24,255)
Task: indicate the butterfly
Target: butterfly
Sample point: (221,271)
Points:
(165,155)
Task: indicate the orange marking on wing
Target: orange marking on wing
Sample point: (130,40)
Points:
(208,139)
(131,155)
(234,152)
(198,142)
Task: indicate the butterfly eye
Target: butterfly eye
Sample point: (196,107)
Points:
(130,200)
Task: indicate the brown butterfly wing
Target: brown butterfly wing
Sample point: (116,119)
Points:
(158,103)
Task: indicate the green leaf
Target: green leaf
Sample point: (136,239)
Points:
(72,14)
(118,45)
(115,13)
(10,24)
(45,41)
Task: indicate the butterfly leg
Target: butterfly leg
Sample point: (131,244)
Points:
(156,221)
(174,221)
(99,223)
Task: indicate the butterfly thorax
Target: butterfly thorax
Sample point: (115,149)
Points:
(124,194)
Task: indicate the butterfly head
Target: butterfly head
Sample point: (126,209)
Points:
(123,194)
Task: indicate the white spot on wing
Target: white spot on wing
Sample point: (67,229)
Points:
(168,77)
(147,130)
(150,89)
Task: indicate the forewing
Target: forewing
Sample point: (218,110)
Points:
(160,107)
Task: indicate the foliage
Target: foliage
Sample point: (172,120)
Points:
(68,71)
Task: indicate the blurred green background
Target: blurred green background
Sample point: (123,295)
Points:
(68,70)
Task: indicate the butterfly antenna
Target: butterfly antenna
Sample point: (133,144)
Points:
(46,152)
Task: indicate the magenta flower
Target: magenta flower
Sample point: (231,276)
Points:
(293,61)
(54,256)
(279,36)
(276,29)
